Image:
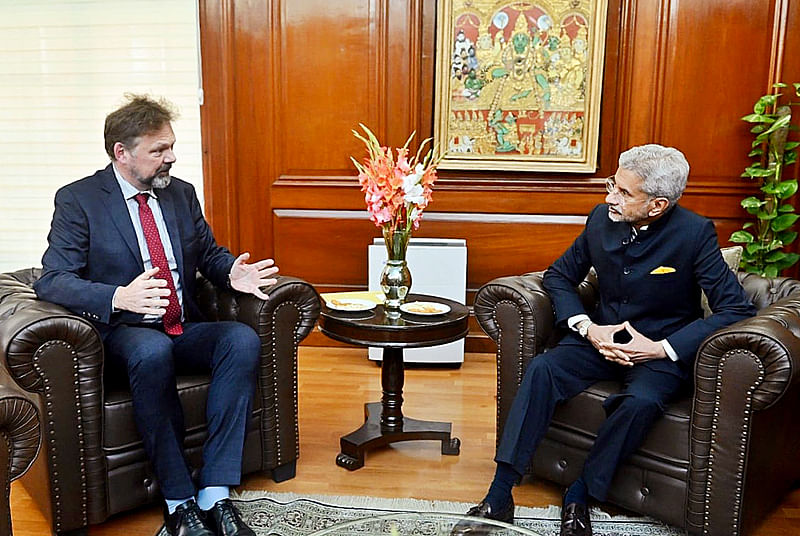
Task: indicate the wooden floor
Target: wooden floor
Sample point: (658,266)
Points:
(334,383)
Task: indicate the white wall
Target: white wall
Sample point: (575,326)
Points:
(64,65)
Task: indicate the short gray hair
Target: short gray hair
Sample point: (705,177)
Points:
(663,170)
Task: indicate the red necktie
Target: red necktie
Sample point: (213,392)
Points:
(172,318)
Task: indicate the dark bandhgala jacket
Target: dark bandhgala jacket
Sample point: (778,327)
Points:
(93,249)
(652,281)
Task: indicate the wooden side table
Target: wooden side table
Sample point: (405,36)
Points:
(384,422)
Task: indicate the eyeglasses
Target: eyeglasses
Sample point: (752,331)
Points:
(623,195)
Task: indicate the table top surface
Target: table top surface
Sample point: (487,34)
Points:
(415,523)
(374,327)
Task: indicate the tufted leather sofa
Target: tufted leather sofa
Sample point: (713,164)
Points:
(722,455)
(93,464)
(21,434)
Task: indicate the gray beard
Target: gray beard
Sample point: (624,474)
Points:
(161,182)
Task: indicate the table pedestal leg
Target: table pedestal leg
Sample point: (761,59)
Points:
(384,422)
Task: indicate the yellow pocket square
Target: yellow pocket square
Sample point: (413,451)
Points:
(663,270)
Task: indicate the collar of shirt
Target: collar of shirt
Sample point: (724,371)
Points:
(635,232)
(128,190)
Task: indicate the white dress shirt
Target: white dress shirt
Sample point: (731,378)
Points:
(129,192)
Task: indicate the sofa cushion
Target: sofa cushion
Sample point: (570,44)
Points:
(667,442)
(120,432)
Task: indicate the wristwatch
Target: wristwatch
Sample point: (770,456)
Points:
(583,328)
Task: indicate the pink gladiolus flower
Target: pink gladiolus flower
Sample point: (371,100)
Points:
(396,188)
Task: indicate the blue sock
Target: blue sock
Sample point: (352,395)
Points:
(577,493)
(173,504)
(211,495)
(505,476)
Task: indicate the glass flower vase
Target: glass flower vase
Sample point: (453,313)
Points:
(395,278)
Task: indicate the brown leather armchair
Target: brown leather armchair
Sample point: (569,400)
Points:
(93,464)
(19,428)
(721,457)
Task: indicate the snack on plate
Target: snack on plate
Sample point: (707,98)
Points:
(426,308)
(347,304)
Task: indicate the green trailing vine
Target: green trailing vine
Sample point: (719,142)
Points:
(766,240)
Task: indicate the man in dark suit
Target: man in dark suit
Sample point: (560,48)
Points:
(652,258)
(124,248)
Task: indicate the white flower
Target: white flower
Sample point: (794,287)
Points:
(412,188)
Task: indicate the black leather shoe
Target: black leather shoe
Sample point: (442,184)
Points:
(575,520)
(226,520)
(483,511)
(186,521)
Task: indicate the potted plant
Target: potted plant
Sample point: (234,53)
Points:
(765,247)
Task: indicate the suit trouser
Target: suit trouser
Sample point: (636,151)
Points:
(231,351)
(561,373)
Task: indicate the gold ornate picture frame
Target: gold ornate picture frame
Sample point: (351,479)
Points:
(518,84)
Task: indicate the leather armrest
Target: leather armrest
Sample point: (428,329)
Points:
(281,323)
(226,304)
(20,425)
(516,304)
(517,314)
(740,372)
(49,351)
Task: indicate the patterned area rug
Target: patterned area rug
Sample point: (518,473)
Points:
(288,514)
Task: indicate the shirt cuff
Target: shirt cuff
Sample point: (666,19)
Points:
(669,350)
(573,321)
(113,299)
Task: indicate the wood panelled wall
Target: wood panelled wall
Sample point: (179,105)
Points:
(286,80)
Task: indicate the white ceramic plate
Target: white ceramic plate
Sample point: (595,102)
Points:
(350,304)
(424,308)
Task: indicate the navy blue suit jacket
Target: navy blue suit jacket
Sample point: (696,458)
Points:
(93,249)
(658,305)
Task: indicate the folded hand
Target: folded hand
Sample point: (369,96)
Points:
(638,350)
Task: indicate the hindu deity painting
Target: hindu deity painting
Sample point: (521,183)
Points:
(518,84)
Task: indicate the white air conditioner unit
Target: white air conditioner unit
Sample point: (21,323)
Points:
(438,267)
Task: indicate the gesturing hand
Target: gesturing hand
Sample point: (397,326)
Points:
(638,350)
(251,277)
(145,294)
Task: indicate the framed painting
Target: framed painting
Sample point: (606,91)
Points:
(518,84)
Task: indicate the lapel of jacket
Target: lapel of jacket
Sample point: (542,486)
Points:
(167,203)
(118,210)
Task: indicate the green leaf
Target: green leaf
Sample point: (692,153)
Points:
(787,237)
(775,244)
(752,249)
(775,256)
(752,270)
(797,88)
(756,152)
(758,117)
(771,271)
(762,215)
(778,85)
(747,225)
(786,208)
(790,145)
(752,202)
(758,128)
(787,189)
(783,222)
(757,171)
(770,188)
(789,158)
(781,122)
(741,237)
(789,260)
